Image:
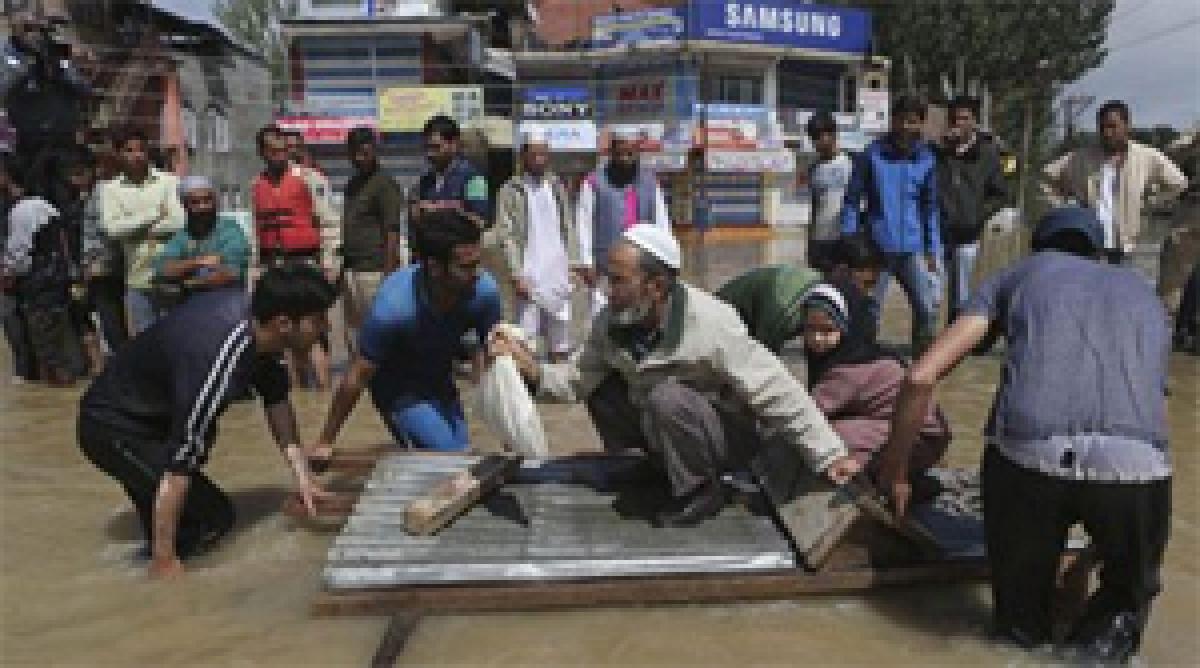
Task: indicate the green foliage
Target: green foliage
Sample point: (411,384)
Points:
(257,23)
(1017,49)
(1002,43)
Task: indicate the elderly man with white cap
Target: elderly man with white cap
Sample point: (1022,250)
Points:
(671,370)
(209,252)
(535,234)
(613,199)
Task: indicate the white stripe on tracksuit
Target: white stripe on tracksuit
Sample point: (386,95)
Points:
(211,393)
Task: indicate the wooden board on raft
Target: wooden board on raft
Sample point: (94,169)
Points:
(728,588)
(455,494)
(816,515)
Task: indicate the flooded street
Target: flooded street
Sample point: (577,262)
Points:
(72,593)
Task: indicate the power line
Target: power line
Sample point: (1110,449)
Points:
(1144,39)
(1130,10)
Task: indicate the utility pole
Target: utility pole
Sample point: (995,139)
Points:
(1073,106)
(1037,81)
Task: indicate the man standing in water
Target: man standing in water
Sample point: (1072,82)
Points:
(1077,433)
(150,419)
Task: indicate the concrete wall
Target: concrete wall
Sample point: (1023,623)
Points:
(238,87)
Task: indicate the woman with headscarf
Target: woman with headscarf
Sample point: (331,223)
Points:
(770,301)
(855,382)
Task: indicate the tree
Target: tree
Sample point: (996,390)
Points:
(1022,51)
(257,23)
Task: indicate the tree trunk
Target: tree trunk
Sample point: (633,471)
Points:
(1026,157)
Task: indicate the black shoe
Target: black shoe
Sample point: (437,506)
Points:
(704,503)
(1114,645)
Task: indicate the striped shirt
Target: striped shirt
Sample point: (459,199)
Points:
(173,382)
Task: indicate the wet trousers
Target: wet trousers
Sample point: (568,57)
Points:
(1026,518)
(138,466)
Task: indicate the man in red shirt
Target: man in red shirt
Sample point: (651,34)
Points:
(287,231)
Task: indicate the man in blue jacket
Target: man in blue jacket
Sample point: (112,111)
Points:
(897,177)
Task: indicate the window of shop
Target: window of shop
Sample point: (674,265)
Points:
(190,125)
(218,131)
(735,89)
(810,85)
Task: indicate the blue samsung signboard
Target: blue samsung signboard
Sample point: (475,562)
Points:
(784,23)
(780,23)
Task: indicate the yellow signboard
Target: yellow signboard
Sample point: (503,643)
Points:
(406,108)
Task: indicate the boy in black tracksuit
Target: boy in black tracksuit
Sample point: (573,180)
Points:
(149,420)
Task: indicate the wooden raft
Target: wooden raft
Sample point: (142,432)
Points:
(835,532)
(578,550)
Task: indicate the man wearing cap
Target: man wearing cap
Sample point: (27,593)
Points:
(374,212)
(1077,433)
(209,252)
(612,199)
(671,370)
(536,234)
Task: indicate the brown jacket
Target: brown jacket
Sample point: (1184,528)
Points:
(1076,176)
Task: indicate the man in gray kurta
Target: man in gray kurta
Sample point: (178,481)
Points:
(671,370)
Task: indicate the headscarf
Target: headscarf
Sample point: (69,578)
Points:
(770,300)
(851,313)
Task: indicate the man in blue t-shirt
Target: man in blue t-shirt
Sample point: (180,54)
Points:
(414,334)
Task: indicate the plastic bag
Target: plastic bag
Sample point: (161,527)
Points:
(503,401)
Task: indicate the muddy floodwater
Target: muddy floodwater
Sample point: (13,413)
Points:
(72,592)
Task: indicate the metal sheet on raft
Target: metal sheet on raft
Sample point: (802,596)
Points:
(554,520)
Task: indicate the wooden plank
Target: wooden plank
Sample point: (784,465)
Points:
(816,515)
(455,494)
(811,511)
(516,597)
(359,460)
(395,638)
(872,504)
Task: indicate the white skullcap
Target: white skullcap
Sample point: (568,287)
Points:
(194,182)
(534,137)
(657,241)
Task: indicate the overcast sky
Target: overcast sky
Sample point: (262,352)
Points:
(1153,63)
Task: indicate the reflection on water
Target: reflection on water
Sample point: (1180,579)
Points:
(72,592)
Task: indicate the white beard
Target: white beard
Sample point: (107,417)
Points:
(631,315)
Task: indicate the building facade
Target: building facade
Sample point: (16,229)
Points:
(719,91)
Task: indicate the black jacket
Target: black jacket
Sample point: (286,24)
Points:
(965,184)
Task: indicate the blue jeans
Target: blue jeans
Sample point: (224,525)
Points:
(142,310)
(923,289)
(960,264)
(427,423)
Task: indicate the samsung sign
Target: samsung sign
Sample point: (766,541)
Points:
(782,23)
